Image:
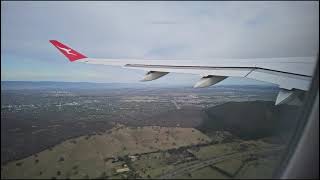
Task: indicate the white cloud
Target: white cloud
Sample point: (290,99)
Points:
(195,30)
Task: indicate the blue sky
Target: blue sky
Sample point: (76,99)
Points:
(166,30)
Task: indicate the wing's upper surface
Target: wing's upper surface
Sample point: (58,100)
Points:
(289,72)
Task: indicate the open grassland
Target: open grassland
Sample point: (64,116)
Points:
(204,173)
(91,156)
(218,150)
(152,165)
(148,152)
(256,169)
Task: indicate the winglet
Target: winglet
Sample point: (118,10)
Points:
(71,54)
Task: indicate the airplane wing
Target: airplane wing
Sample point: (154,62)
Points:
(292,74)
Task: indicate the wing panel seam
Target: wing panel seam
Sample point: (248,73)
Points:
(211,67)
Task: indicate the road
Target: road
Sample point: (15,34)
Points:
(175,103)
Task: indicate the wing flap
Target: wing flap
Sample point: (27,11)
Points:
(284,80)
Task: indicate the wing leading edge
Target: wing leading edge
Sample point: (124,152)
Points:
(290,73)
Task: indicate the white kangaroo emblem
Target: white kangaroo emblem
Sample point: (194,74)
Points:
(66,50)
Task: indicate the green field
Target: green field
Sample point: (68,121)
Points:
(204,173)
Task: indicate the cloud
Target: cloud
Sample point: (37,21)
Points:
(170,30)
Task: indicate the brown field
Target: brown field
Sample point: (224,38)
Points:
(86,156)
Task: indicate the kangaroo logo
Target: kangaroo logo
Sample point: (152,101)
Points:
(66,50)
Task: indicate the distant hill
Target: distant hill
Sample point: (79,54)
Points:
(39,85)
(18,85)
(252,119)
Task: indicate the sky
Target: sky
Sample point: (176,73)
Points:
(150,30)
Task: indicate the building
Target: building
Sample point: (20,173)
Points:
(121,170)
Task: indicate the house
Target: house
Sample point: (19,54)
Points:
(121,170)
(133,158)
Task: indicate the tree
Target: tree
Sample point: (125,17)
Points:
(103,175)
(19,164)
(61,159)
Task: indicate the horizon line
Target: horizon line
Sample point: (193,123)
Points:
(32,81)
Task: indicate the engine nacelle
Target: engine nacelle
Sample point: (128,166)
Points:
(152,75)
(208,81)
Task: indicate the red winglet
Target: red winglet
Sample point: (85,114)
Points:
(71,54)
